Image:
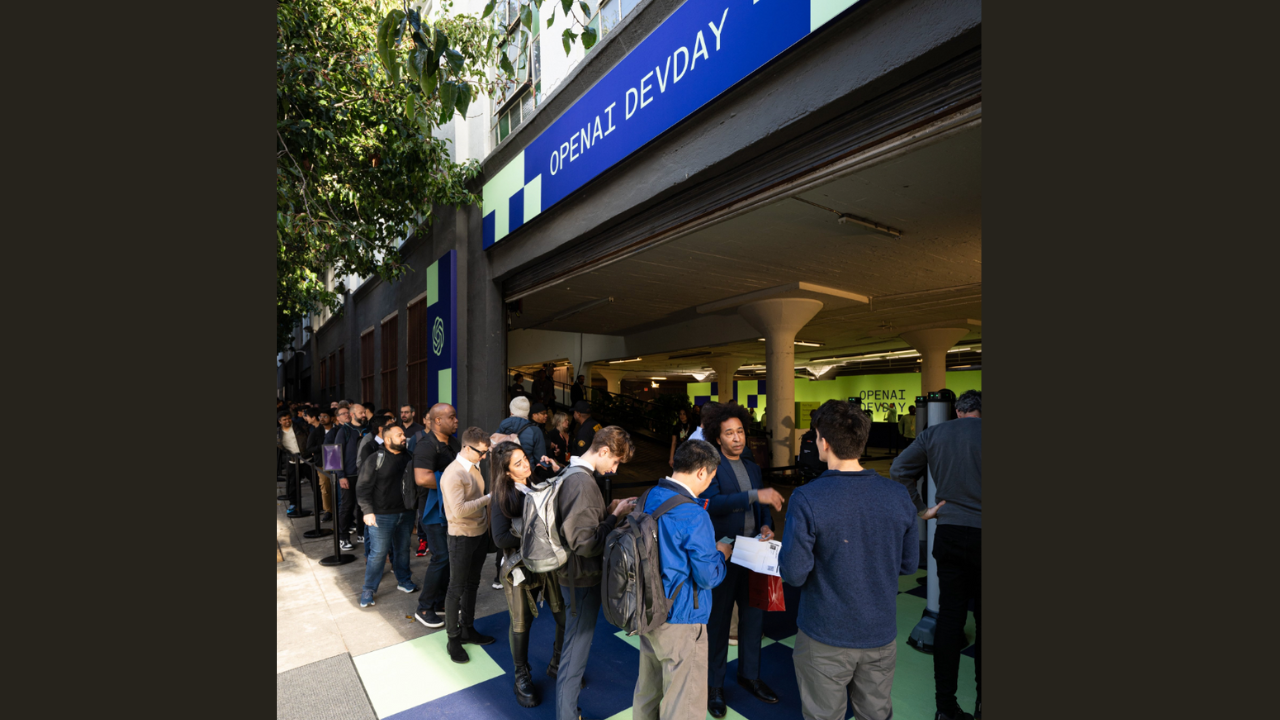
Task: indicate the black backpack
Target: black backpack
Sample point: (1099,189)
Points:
(631,589)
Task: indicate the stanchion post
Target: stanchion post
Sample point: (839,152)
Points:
(337,558)
(296,462)
(318,532)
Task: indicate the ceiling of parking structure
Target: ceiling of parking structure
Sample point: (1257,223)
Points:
(932,272)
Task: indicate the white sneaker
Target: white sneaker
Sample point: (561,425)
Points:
(496,585)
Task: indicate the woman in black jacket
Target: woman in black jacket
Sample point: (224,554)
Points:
(510,476)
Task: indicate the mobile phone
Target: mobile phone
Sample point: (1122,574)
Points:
(727,540)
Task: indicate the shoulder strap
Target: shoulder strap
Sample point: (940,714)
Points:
(669,503)
(381,457)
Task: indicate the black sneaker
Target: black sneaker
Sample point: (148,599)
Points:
(346,545)
(326,516)
(429,618)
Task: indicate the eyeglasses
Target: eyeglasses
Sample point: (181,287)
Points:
(478,451)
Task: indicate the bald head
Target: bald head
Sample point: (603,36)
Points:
(442,419)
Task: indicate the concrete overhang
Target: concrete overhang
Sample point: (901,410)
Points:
(831,298)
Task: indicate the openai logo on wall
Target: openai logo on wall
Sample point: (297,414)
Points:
(437,336)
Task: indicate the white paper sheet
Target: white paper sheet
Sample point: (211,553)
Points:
(752,554)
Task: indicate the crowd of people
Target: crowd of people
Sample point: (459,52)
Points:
(531,492)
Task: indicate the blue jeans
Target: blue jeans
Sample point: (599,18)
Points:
(578,632)
(390,535)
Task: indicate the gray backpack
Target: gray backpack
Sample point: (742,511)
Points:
(540,545)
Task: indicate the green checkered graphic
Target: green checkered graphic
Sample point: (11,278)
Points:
(392,675)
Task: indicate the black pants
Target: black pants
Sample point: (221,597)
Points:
(958,552)
(466,562)
(735,589)
(349,518)
(435,584)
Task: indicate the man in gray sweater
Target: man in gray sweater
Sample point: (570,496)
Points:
(952,451)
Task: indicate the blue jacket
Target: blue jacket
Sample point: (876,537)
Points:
(729,505)
(848,537)
(687,545)
(532,441)
(349,437)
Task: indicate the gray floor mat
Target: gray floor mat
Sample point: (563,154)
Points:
(325,690)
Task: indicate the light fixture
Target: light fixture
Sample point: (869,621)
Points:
(615,362)
(819,369)
(653,384)
(805,343)
(700,376)
(657,378)
(752,367)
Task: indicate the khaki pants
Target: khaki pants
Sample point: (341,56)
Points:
(672,683)
(828,674)
(326,484)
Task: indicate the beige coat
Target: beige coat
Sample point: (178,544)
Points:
(465,501)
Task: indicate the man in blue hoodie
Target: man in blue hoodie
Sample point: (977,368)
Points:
(532,440)
(850,533)
(673,657)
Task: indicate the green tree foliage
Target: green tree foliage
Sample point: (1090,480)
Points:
(361,86)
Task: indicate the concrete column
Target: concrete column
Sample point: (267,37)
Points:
(725,367)
(779,319)
(933,344)
(614,378)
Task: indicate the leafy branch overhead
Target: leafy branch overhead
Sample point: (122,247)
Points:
(362,89)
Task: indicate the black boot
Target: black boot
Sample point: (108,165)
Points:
(526,694)
(553,669)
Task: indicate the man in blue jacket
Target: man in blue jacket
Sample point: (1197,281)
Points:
(850,533)
(738,505)
(673,657)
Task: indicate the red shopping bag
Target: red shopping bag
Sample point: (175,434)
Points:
(766,592)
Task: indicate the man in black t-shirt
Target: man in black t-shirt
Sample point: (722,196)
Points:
(432,453)
(387,521)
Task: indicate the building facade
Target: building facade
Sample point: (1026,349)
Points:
(764,190)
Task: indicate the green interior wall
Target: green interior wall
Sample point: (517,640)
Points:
(876,391)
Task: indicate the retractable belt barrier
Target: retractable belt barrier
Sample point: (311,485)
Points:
(332,455)
(318,532)
(296,461)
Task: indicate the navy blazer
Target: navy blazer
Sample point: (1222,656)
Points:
(728,503)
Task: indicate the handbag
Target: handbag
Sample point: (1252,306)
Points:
(766,592)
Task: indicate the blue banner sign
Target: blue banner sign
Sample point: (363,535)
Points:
(701,50)
(442,330)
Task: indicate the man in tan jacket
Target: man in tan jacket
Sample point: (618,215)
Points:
(466,506)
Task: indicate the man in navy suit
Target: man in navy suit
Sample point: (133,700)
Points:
(738,505)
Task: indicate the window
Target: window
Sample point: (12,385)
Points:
(515,100)
(331,380)
(419,342)
(324,379)
(366,366)
(390,360)
(606,15)
(341,380)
